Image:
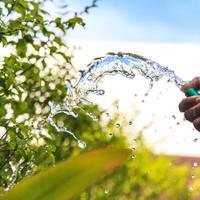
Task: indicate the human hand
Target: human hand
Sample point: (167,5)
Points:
(191,105)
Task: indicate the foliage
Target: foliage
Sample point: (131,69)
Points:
(144,177)
(70,177)
(33,72)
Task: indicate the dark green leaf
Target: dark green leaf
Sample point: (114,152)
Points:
(21,47)
(71,23)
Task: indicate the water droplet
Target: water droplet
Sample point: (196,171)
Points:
(133,157)
(82,144)
(195,139)
(173,117)
(110,135)
(85,101)
(92,116)
(101,92)
(107,114)
(89,78)
(97,92)
(117,125)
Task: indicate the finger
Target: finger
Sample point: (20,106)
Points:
(194,83)
(192,113)
(187,103)
(196,123)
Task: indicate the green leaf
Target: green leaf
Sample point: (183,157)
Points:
(58,40)
(20,8)
(21,47)
(28,38)
(59,24)
(44,12)
(3,40)
(67,179)
(71,23)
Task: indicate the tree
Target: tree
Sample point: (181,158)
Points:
(32,74)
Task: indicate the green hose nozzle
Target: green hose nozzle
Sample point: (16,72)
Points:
(192,92)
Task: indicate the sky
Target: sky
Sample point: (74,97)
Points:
(141,21)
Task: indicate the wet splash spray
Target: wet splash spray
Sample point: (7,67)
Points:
(126,64)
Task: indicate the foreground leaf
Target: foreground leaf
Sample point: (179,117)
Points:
(70,177)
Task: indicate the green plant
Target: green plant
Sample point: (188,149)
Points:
(33,72)
(67,179)
(144,177)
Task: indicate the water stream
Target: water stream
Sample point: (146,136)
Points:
(126,64)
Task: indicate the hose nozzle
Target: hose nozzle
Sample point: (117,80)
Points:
(192,92)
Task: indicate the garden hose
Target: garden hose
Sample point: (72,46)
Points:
(192,92)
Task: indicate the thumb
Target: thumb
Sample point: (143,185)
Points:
(194,83)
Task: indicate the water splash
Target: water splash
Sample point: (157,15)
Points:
(125,64)
(14,167)
(117,125)
(110,135)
